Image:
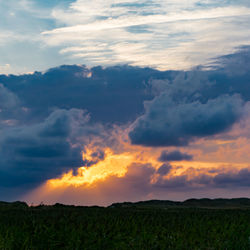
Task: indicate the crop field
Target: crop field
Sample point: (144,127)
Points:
(132,227)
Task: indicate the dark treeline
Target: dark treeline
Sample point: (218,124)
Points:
(199,203)
(143,225)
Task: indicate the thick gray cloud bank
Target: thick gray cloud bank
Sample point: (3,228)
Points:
(195,104)
(47,118)
(31,154)
(169,123)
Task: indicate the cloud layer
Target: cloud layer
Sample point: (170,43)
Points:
(57,121)
(167,123)
(159,34)
(143,182)
(32,154)
(151,33)
(174,156)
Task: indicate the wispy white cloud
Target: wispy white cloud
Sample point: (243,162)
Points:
(161,34)
(171,34)
(135,20)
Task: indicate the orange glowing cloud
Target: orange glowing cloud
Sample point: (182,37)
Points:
(113,164)
(128,172)
(128,175)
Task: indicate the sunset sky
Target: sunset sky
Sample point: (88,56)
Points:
(121,100)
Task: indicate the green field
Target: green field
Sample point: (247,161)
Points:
(125,226)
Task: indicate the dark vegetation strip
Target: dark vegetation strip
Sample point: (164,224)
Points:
(134,227)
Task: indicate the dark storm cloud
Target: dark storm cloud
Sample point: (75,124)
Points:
(114,94)
(174,156)
(32,154)
(195,103)
(48,137)
(167,123)
(44,128)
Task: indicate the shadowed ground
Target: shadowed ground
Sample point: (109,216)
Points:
(143,225)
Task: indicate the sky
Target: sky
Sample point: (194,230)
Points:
(172,34)
(123,100)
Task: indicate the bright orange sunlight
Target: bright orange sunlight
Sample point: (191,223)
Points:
(112,165)
(116,164)
(110,174)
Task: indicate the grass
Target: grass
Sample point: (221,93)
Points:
(68,227)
